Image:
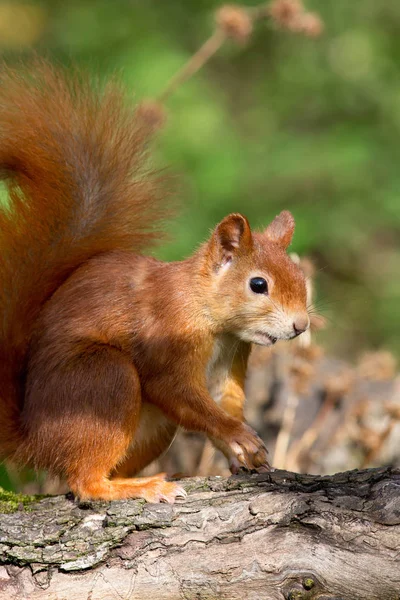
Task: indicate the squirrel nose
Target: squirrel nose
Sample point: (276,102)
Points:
(300,324)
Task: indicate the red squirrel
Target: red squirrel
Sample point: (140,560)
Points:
(104,351)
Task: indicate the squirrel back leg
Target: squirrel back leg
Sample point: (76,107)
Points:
(153,436)
(81,418)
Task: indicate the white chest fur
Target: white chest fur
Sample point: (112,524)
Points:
(220,364)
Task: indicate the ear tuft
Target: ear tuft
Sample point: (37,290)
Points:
(232,236)
(281,229)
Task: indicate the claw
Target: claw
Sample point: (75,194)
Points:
(181,493)
(264,468)
(234,465)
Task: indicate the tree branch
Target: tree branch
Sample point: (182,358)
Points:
(272,536)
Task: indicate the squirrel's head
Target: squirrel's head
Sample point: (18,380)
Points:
(257,292)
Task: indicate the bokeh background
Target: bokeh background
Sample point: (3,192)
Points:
(286,121)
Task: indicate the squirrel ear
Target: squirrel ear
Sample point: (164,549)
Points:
(232,236)
(281,229)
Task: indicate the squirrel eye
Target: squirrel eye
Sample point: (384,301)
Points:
(258,285)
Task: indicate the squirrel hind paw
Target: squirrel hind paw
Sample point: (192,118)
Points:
(157,489)
(172,493)
(153,489)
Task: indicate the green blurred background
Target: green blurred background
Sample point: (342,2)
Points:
(311,125)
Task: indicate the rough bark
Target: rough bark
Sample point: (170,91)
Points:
(271,536)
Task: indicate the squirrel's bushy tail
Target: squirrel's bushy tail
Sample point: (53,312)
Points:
(71,157)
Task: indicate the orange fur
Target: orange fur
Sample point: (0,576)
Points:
(103,351)
(233,397)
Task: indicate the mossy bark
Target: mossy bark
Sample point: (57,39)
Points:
(266,537)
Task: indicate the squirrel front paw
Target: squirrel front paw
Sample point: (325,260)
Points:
(247,450)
